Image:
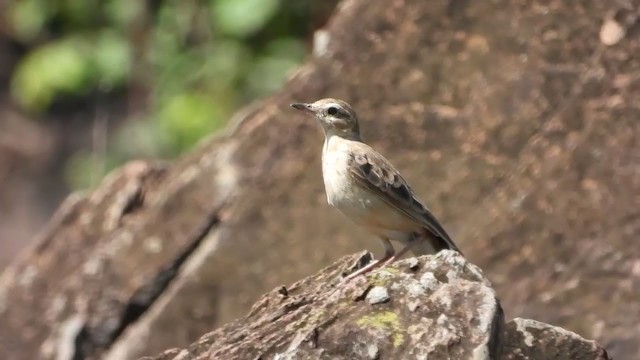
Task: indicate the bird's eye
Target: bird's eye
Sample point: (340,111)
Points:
(332,110)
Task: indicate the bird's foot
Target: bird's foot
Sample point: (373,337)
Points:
(366,269)
(371,266)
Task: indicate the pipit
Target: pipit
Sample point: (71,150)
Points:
(365,187)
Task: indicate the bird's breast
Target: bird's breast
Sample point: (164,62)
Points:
(337,182)
(360,204)
(344,193)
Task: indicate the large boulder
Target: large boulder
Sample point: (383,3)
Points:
(432,307)
(516,122)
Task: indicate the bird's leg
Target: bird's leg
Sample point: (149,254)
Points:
(389,252)
(412,241)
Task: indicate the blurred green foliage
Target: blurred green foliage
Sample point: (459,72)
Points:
(197,60)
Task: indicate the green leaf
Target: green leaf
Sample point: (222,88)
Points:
(79,12)
(123,12)
(224,63)
(112,59)
(28,18)
(60,66)
(242,18)
(268,74)
(186,118)
(286,48)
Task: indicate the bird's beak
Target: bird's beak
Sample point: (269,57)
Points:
(303,107)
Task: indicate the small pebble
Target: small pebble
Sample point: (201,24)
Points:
(413,263)
(378,295)
(415,289)
(429,281)
(611,32)
(373,352)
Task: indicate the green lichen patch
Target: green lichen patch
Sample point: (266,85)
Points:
(383,277)
(386,320)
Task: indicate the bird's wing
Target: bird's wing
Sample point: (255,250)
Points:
(372,171)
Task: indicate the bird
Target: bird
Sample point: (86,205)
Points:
(364,186)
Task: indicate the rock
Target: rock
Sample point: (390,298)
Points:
(377,295)
(510,119)
(459,319)
(530,339)
(611,32)
(413,263)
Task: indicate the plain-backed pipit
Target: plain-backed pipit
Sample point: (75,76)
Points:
(365,187)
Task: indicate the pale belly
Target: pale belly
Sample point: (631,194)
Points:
(360,205)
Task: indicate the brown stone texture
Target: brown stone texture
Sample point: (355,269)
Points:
(513,120)
(438,307)
(529,339)
(432,307)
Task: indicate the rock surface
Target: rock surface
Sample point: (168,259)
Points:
(529,339)
(443,308)
(513,121)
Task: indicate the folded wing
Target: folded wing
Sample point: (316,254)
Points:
(372,171)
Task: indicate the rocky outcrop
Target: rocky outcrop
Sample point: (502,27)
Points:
(529,339)
(512,120)
(432,307)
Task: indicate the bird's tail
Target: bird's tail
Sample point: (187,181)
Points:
(430,243)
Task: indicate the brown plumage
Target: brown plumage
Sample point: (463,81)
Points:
(372,171)
(364,186)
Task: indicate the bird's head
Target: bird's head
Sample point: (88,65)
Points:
(336,117)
